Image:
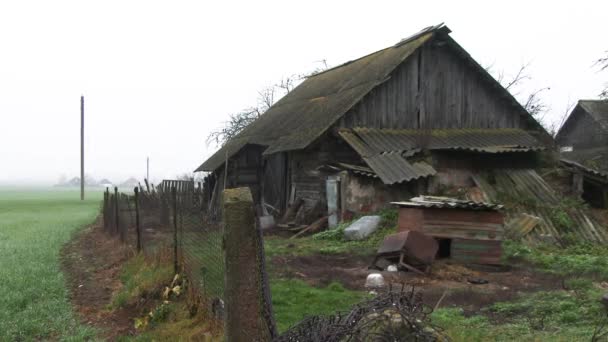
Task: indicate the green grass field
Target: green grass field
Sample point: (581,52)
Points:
(34,225)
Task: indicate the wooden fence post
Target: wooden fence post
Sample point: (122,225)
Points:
(116,213)
(106,199)
(137,227)
(174,198)
(243,282)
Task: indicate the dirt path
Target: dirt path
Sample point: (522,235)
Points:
(92,262)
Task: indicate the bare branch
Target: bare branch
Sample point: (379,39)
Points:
(266,98)
(556,126)
(519,77)
(603,65)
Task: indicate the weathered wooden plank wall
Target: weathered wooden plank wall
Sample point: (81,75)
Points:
(303,167)
(274,181)
(581,132)
(435,88)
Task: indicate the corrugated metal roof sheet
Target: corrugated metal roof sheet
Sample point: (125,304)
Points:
(592,158)
(479,140)
(447,203)
(362,170)
(391,167)
(527,186)
(584,169)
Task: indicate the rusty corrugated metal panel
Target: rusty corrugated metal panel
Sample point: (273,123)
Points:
(498,140)
(452,222)
(476,251)
(414,244)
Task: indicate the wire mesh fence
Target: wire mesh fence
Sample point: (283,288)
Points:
(171,219)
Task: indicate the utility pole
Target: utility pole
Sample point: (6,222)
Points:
(82,147)
(148,168)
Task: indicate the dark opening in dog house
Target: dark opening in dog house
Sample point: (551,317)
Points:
(445,248)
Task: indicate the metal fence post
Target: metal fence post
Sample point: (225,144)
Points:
(174,198)
(116,214)
(137,227)
(243,286)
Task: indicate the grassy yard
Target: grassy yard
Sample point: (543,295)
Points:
(34,225)
(294,300)
(573,313)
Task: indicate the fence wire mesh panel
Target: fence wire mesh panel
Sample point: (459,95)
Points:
(172,222)
(200,253)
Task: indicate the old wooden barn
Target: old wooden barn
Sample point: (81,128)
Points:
(583,140)
(414,118)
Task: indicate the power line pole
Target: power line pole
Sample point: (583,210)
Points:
(82,147)
(148,168)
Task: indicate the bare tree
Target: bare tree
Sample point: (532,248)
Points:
(554,127)
(532,101)
(267,97)
(603,65)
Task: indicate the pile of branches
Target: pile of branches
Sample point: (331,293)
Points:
(391,316)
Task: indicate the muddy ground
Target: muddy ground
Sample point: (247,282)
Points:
(444,277)
(92,261)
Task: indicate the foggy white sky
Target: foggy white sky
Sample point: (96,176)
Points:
(158,76)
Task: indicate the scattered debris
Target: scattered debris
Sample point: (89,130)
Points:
(391,316)
(315,227)
(413,250)
(362,228)
(477,281)
(522,225)
(267,222)
(290,213)
(374,281)
(392,268)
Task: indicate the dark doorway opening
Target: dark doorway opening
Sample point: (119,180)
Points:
(594,194)
(445,248)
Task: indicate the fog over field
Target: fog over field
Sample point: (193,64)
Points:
(159,76)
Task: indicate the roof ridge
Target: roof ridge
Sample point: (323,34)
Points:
(428,29)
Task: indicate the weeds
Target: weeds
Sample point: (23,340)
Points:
(141,279)
(578,259)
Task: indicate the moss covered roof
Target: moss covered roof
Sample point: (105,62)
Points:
(310,109)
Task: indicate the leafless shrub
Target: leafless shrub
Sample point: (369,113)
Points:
(392,316)
(267,97)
